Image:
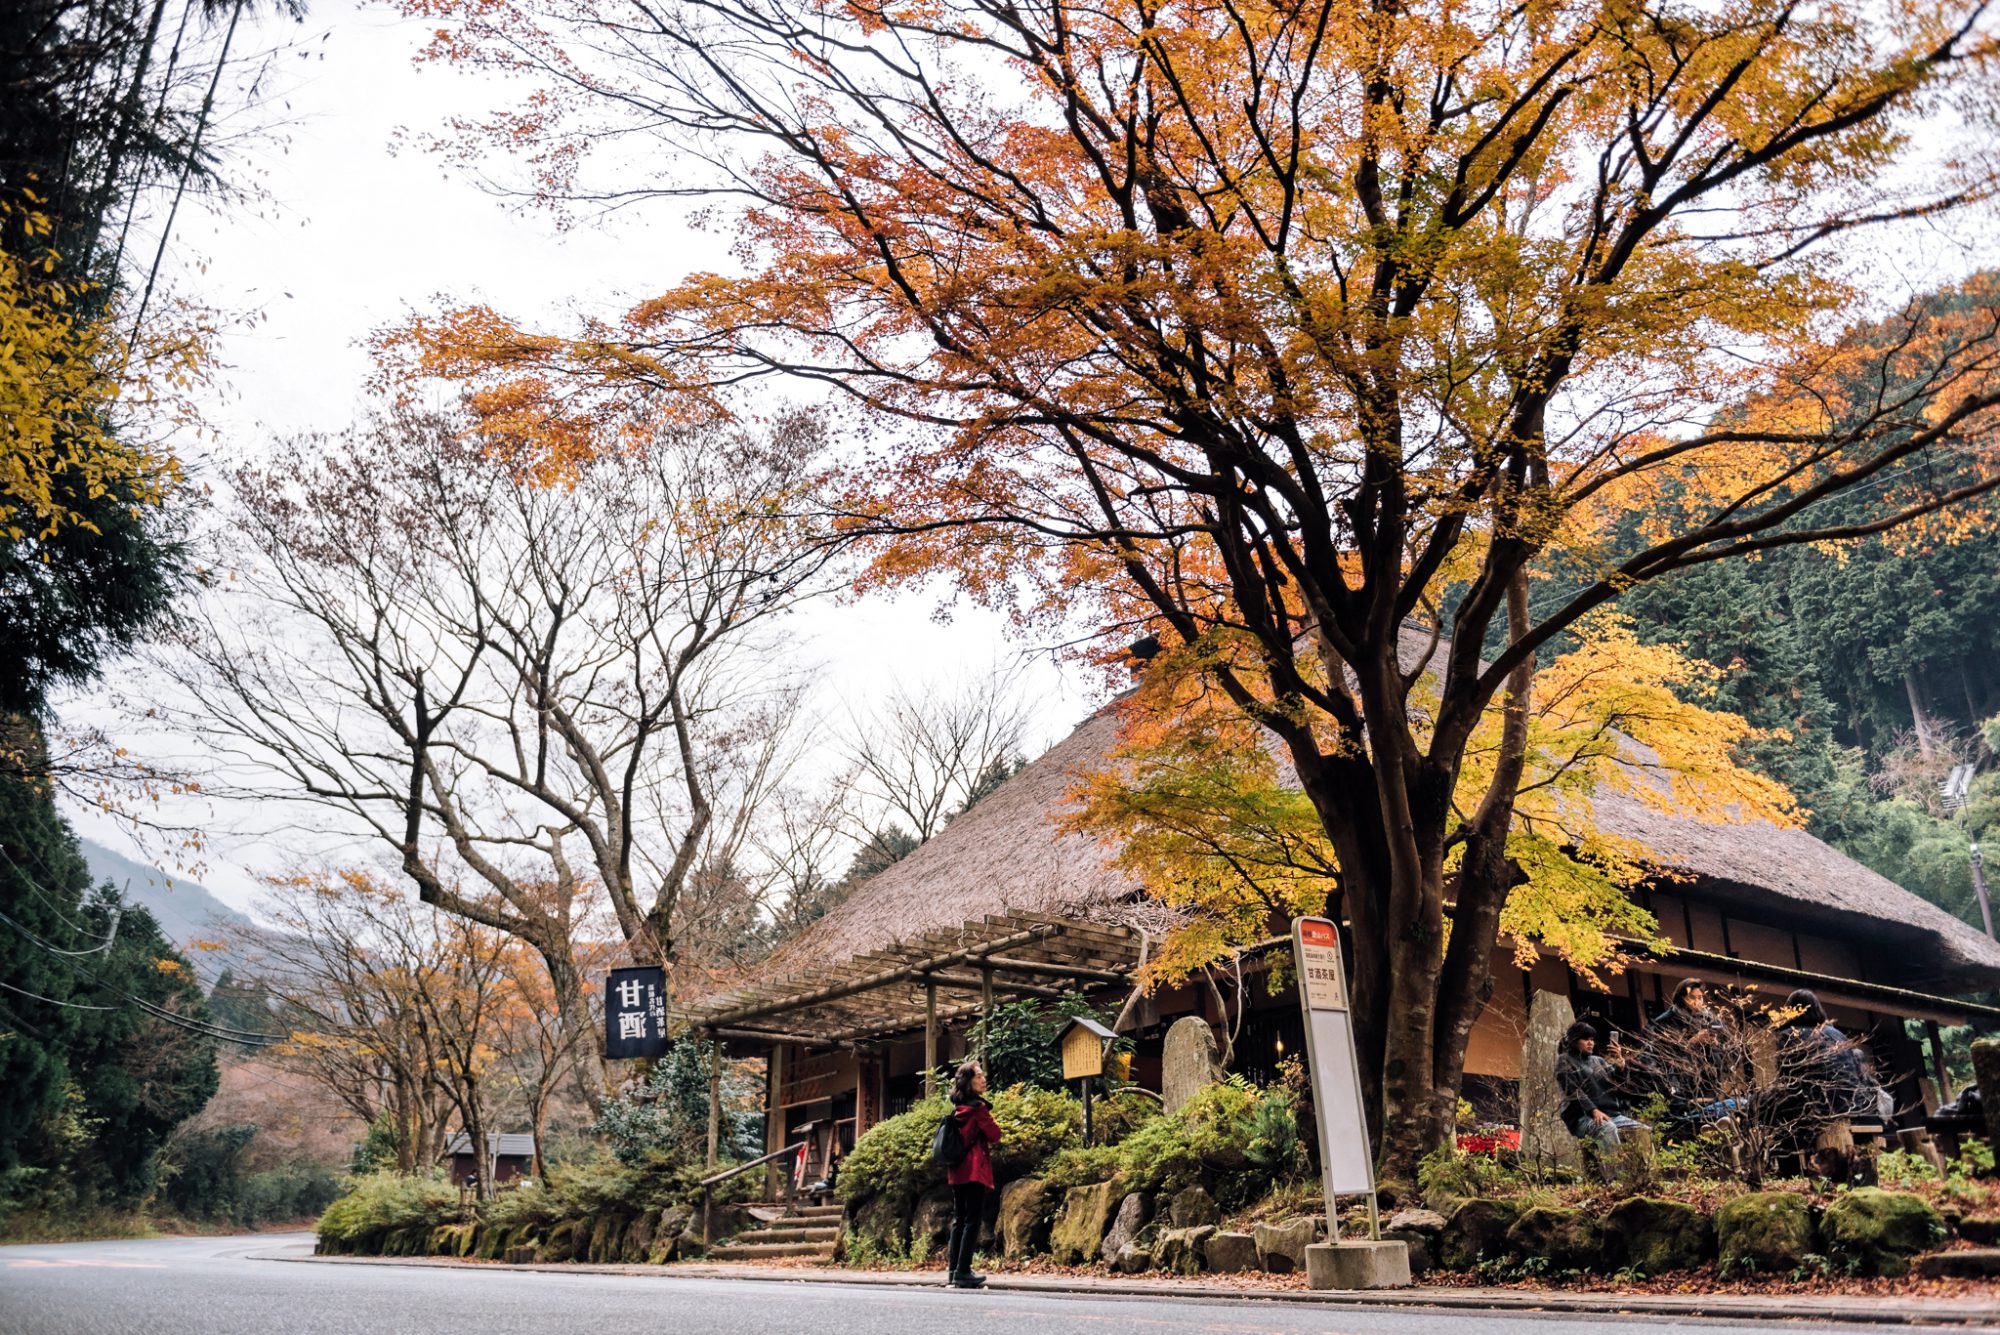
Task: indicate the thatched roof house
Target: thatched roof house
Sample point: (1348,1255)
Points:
(1007,855)
(1004,904)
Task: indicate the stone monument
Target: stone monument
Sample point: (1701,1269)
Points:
(1189,1063)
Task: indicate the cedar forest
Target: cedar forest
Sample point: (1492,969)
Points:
(1386,368)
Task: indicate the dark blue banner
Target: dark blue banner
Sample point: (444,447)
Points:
(635,1013)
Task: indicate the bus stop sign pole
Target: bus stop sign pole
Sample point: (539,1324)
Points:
(1347,1163)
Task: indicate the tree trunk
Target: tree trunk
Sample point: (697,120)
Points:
(1920,721)
(587,1055)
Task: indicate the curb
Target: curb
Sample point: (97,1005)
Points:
(1712,1307)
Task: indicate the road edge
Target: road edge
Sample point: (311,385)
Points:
(1709,1307)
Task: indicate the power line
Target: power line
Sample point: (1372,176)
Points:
(73,1005)
(220,1033)
(110,937)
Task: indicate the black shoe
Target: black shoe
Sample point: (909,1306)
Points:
(968,1280)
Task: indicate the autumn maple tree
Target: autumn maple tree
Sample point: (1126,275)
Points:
(1300,335)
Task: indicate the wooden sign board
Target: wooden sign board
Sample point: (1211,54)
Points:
(1083,1043)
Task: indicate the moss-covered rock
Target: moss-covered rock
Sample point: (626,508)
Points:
(638,1239)
(1133,1215)
(1193,1207)
(930,1223)
(879,1225)
(1874,1232)
(1564,1237)
(1476,1231)
(560,1244)
(604,1238)
(450,1240)
(1024,1218)
(1178,1251)
(1652,1236)
(1080,1224)
(1764,1232)
(1229,1253)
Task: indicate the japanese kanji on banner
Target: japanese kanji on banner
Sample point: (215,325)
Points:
(635,1013)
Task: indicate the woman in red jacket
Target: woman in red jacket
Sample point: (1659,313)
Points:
(972,1177)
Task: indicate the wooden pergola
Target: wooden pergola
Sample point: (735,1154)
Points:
(924,984)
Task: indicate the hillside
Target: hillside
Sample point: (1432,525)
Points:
(185,909)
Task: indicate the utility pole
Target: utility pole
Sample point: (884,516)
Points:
(1979,888)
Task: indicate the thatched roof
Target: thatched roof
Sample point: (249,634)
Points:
(1006,855)
(1762,868)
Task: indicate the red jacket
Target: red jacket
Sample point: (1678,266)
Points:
(976,1125)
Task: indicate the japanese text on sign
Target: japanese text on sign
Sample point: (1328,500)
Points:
(1320,972)
(635,1013)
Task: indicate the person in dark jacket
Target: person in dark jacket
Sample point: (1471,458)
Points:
(1689,1042)
(1593,1108)
(1822,1065)
(1688,1015)
(972,1177)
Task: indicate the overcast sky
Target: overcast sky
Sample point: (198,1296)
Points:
(355,229)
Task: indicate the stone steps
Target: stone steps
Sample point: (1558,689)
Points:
(810,1231)
(826,1232)
(766,1251)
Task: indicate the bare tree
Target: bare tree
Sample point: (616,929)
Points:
(927,753)
(534,691)
(1751,1083)
(806,844)
(343,956)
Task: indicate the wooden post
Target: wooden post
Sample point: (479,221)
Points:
(774,1115)
(931,1040)
(714,1101)
(1937,1059)
(985,1008)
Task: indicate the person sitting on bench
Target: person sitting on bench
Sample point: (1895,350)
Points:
(1593,1109)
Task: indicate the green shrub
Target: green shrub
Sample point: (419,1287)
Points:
(1034,1124)
(1237,1140)
(894,1156)
(628,1182)
(290,1191)
(1118,1116)
(380,1201)
(1080,1167)
(1447,1172)
(1234,1139)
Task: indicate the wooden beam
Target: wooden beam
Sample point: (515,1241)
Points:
(972,984)
(772,1036)
(1055,970)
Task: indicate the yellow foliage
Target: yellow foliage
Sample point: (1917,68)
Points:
(63,377)
(1201,811)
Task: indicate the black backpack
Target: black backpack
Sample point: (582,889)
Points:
(948,1145)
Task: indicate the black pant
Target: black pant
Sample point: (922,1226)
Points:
(968,1204)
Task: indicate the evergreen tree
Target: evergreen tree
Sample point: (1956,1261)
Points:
(106,1050)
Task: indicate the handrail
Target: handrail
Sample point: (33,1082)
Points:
(728,1173)
(708,1185)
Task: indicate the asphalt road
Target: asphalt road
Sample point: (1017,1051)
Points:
(230,1286)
